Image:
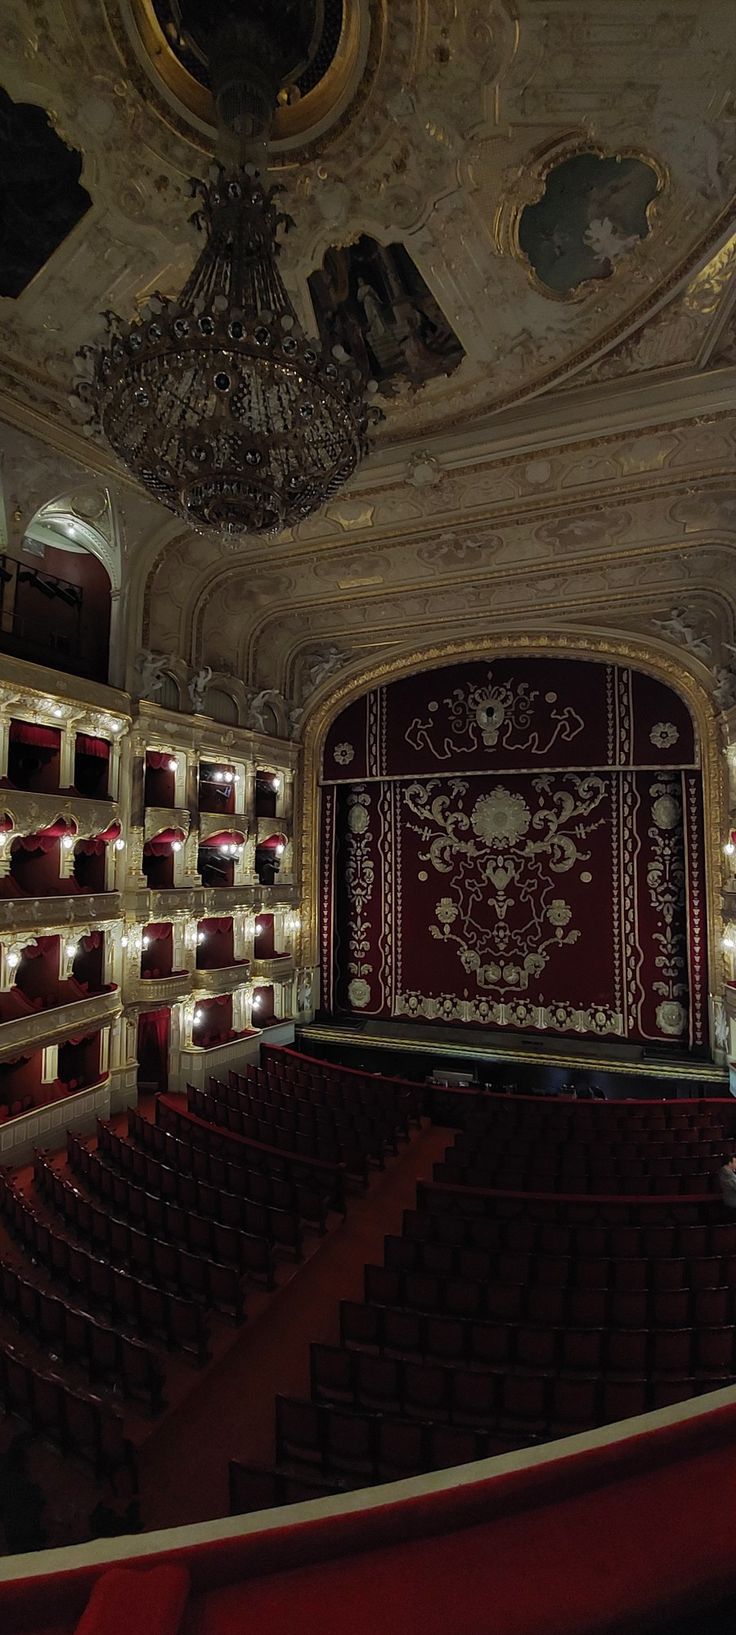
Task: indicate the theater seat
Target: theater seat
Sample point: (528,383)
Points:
(123,1600)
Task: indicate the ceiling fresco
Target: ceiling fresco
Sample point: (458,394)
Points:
(524,214)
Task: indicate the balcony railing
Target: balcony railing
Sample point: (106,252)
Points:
(36,913)
(224,979)
(272,970)
(56,1024)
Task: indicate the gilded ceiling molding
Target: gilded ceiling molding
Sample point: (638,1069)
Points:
(642,654)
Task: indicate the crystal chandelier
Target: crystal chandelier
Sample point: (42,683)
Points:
(217,402)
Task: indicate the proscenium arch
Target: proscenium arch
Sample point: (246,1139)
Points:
(602,649)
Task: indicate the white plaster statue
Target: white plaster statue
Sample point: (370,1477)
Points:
(724,691)
(149,673)
(197,688)
(268,699)
(317,665)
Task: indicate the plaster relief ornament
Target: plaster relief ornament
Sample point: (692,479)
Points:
(681,628)
(724,691)
(593,212)
(664,734)
(423,470)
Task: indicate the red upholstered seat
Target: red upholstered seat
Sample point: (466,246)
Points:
(122,1600)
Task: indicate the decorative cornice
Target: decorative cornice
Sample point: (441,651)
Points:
(32,812)
(50,914)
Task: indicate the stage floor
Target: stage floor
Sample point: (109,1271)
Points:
(460,1048)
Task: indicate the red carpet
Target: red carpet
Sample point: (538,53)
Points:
(232,1415)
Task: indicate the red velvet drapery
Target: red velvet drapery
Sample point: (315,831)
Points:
(153,1047)
(264,946)
(493,854)
(162,843)
(87,745)
(216,948)
(27,732)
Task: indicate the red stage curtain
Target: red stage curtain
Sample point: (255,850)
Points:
(554,903)
(26,732)
(525,850)
(99,747)
(512,715)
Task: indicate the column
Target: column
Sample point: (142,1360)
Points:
(66,759)
(4,744)
(242,934)
(66,857)
(113,769)
(240,1008)
(104,1051)
(49,1064)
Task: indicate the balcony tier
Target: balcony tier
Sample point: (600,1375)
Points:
(52,1026)
(31,812)
(222,979)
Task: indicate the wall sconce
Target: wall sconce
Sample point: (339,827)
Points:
(173,766)
(729,848)
(71,949)
(198,1016)
(277,783)
(176,845)
(67,842)
(280,849)
(257,929)
(57,711)
(145,942)
(116,726)
(13,960)
(120,844)
(123,942)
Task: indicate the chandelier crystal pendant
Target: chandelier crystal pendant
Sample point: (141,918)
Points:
(217,402)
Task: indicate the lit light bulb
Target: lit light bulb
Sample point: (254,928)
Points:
(225,850)
(116,726)
(729,848)
(67,841)
(145,942)
(123,942)
(173,766)
(217,777)
(228,777)
(256,1002)
(199,1016)
(257,931)
(71,949)
(57,711)
(176,845)
(279,848)
(13,960)
(120,844)
(277,783)
(201,935)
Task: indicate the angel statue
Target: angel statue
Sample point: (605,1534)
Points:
(724,691)
(149,673)
(263,710)
(197,688)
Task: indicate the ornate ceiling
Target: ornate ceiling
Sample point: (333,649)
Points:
(573,472)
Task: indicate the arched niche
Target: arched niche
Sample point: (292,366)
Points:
(57,590)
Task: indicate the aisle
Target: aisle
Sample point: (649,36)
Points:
(183,1466)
